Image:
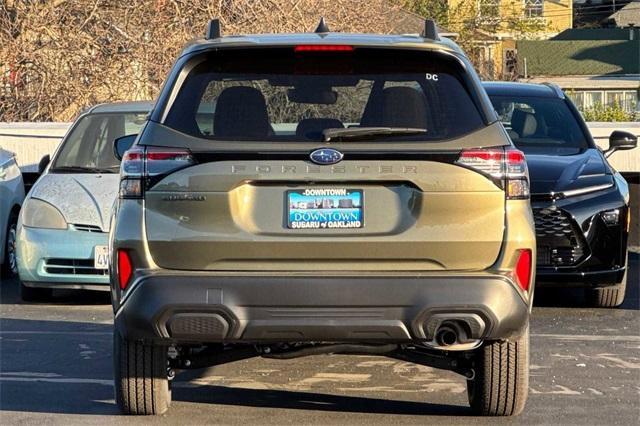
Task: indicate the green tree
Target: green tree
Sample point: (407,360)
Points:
(600,112)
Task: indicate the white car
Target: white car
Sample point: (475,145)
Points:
(63,228)
(11,196)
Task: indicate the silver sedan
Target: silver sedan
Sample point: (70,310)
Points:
(11,197)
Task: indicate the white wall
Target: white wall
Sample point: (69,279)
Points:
(31,141)
(623,161)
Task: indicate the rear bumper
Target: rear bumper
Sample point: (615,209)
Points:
(253,308)
(573,277)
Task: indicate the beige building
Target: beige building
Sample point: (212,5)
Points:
(499,23)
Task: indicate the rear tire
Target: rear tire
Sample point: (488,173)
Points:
(501,383)
(10,263)
(34,294)
(140,375)
(607,297)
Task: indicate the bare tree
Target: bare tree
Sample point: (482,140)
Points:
(60,56)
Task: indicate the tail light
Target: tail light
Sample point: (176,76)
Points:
(507,165)
(523,269)
(142,167)
(125,268)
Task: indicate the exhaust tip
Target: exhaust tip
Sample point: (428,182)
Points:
(446,336)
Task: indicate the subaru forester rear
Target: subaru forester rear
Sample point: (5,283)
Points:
(300,194)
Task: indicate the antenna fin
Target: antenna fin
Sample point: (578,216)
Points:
(322,26)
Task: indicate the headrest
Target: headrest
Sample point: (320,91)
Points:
(404,107)
(241,112)
(524,123)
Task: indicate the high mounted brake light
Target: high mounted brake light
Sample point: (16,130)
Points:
(505,164)
(142,166)
(323,48)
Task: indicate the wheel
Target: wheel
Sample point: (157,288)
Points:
(10,262)
(140,375)
(32,294)
(501,383)
(607,297)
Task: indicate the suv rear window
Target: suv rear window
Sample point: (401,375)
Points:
(537,124)
(276,94)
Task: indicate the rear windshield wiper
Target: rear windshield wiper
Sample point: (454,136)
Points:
(365,132)
(82,169)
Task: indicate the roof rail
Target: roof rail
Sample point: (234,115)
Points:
(556,89)
(322,26)
(430,30)
(213,29)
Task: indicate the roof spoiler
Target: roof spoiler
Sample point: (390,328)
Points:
(213,29)
(430,29)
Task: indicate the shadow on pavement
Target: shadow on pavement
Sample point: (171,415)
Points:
(65,367)
(312,401)
(10,294)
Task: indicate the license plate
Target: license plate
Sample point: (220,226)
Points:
(101,257)
(325,208)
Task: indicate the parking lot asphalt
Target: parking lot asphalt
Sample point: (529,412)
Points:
(55,368)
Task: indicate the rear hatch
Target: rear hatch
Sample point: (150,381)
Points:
(385,192)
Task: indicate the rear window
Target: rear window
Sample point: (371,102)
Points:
(281,95)
(538,124)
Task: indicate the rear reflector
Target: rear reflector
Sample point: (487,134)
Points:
(323,48)
(125,268)
(523,269)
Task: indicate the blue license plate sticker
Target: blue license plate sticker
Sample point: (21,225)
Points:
(325,208)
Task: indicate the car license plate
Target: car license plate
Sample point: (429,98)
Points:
(101,257)
(325,208)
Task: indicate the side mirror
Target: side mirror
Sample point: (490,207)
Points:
(44,162)
(619,141)
(122,145)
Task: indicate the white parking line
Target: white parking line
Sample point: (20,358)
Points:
(73,380)
(80,381)
(83,333)
(588,337)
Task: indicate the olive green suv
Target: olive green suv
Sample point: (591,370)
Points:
(303,194)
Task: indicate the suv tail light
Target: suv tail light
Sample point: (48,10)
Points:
(142,167)
(507,165)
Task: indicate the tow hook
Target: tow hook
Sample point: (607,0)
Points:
(469,374)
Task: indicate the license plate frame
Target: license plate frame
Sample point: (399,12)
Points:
(101,257)
(324,208)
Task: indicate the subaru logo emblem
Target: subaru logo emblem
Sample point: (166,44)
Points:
(326,156)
